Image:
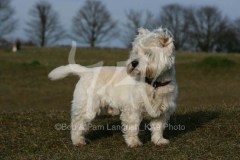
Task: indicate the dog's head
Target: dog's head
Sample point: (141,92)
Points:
(152,53)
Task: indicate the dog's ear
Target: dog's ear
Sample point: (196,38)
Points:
(165,37)
(142,31)
(164,40)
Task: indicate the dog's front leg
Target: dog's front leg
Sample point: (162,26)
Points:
(157,128)
(131,122)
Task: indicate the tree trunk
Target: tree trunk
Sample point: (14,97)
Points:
(92,44)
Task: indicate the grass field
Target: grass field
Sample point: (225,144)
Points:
(31,106)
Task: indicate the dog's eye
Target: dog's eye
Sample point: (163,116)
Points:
(147,53)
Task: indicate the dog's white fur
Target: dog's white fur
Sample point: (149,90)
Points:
(123,88)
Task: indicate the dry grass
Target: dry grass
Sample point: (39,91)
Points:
(31,105)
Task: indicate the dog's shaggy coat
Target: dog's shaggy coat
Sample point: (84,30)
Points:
(124,89)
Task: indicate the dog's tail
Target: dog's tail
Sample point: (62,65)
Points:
(64,71)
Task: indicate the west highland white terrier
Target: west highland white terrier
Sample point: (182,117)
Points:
(145,87)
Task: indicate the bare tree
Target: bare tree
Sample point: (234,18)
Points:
(135,20)
(44,27)
(207,24)
(176,18)
(236,27)
(237,33)
(230,39)
(93,24)
(7,23)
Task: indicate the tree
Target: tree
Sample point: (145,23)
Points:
(44,27)
(236,26)
(7,23)
(176,18)
(226,39)
(231,37)
(135,20)
(207,24)
(93,24)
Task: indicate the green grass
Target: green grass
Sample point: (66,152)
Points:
(32,63)
(216,62)
(31,106)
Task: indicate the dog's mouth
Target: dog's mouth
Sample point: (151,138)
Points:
(133,71)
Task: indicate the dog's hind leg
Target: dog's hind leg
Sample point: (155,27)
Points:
(80,123)
(131,122)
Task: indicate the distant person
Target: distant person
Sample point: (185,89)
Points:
(18,44)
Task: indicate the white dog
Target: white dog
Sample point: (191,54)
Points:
(147,86)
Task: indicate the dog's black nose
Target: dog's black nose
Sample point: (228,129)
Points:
(134,64)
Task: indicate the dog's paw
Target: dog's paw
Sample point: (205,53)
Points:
(79,142)
(134,143)
(161,141)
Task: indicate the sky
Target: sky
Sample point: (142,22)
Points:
(68,8)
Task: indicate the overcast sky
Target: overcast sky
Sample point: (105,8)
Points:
(68,8)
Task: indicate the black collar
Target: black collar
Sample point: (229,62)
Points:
(156,84)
